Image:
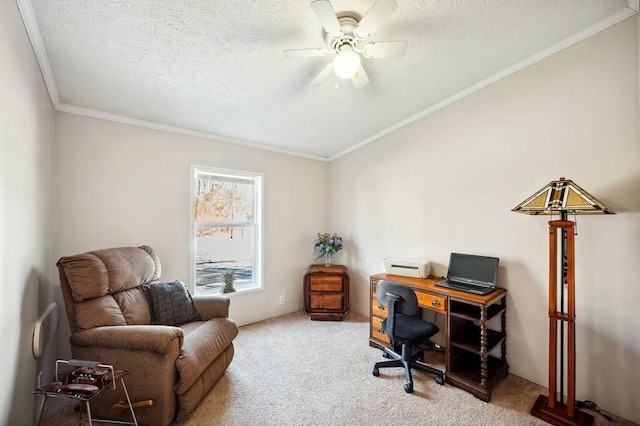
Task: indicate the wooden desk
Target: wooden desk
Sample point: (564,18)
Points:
(469,336)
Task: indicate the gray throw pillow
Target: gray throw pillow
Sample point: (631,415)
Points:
(170,303)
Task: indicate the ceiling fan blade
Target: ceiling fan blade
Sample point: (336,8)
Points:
(326,72)
(305,53)
(384,49)
(361,78)
(327,17)
(375,17)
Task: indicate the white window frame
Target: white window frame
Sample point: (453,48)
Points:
(257,248)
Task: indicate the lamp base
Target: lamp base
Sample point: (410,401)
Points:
(558,415)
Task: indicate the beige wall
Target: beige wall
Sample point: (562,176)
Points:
(448,182)
(121,185)
(27,276)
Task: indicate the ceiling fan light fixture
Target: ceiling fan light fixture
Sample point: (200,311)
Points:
(345,37)
(346,64)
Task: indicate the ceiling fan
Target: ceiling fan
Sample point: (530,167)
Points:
(345,36)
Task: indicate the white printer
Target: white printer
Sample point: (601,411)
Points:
(408,267)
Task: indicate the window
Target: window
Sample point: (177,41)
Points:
(226,218)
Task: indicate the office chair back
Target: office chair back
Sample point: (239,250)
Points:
(408,302)
(400,300)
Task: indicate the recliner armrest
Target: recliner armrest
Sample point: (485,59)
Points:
(212,306)
(153,338)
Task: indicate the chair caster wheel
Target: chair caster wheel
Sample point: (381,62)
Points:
(375,371)
(440,380)
(408,387)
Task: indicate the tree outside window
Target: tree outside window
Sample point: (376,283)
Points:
(226,228)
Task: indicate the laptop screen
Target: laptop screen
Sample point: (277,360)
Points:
(473,269)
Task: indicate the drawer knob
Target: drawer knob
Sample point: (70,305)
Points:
(380,307)
(435,304)
(381,330)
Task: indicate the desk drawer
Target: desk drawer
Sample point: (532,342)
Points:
(326,283)
(431,301)
(325,301)
(377,309)
(376,333)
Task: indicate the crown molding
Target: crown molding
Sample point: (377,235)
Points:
(563,44)
(88,112)
(33,31)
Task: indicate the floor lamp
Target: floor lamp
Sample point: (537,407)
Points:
(561,197)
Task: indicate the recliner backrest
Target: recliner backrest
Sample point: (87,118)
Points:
(102,287)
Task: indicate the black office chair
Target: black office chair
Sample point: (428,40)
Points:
(403,327)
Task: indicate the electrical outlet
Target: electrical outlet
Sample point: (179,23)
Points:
(282,299)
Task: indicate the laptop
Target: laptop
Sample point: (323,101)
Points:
(470,273)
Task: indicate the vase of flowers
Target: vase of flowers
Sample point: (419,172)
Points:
(326,246)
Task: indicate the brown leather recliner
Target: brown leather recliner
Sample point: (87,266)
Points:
(110,322)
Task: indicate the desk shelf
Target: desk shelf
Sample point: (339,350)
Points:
(472,312)
(470,339)
(466,372)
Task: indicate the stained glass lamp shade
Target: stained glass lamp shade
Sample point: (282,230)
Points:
(561,195)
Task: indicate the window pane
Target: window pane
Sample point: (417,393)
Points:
(226,223)
(219,250)
(223,201)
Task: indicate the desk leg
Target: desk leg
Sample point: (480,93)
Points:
(483,348)
(135,421)
(504,330)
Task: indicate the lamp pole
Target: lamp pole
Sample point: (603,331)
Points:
(565,284)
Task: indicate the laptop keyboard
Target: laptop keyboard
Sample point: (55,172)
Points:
(466,286)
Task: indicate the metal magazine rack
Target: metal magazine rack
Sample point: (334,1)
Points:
(84,381)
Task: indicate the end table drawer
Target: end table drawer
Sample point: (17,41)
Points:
(326,283)
(432,301)
(325,301)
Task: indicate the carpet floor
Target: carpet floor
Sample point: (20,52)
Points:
(292,371)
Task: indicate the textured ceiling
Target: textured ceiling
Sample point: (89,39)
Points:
(217,66)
